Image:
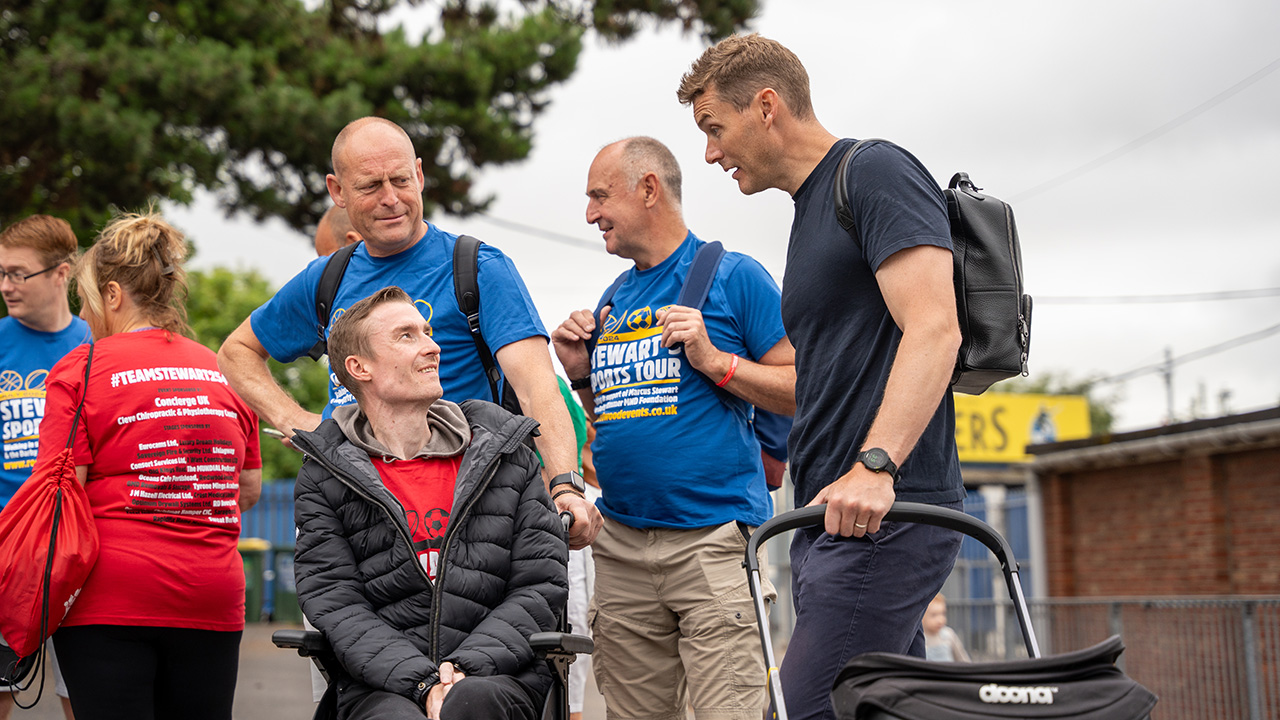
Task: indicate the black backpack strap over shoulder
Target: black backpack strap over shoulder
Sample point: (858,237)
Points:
(326,291)
(466,288)
(843,212)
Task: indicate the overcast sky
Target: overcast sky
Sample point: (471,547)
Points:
(1171,108)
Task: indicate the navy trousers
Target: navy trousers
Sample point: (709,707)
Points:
(854,596)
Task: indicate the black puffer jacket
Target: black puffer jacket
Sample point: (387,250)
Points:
(501,576)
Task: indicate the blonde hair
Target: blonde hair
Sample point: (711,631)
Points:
(740,66)
(50,237)
(144,255)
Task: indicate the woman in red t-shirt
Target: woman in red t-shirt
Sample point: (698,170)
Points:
(169,457)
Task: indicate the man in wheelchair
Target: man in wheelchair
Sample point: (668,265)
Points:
(428,551)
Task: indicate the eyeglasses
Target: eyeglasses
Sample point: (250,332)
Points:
(19,278)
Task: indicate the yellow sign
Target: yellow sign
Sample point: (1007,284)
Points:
(997,427)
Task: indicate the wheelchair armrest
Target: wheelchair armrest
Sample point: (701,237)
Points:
(308,643)
(559,642)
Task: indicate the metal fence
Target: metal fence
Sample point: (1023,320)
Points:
(1203,657)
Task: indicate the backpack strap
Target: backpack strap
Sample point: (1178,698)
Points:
(702,271)
(84,393)
(843,212)
(326,291)
(466,288)
(605,300)
(697,283)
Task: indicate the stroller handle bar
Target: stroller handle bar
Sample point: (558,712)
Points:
(900,512)
(914,513)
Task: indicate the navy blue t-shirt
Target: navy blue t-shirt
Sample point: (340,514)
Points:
(844,336)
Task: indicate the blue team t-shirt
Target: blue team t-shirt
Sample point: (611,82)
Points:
(671,450)
(286,324)
(844,336)
(26,356)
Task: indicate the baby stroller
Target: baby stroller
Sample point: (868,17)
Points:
(884,686)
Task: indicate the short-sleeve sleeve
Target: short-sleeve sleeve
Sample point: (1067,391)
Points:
(896,204)
(252,442)
(507,313)
(286,324)
(756,303)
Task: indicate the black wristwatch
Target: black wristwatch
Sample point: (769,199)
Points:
(570,478)
(581,383)
(877,461)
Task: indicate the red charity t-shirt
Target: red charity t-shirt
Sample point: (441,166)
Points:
(424,486)
(165,439)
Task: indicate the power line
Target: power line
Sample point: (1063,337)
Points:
(1194,355)
(1175,298)
(1148,137)
(544,234)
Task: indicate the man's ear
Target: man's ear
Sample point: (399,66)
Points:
(335,190)
(357,368)
(651,188)
(352,237)
(768,104)
(63,274)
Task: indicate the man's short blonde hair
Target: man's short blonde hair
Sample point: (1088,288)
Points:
(740,66)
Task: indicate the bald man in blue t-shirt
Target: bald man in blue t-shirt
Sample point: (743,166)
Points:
(676,457)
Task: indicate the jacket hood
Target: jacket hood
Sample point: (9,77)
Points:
(492,432)
(450,431)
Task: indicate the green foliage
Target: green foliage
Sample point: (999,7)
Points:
(217,302)
(111,104)
(714,19)
(1101,407)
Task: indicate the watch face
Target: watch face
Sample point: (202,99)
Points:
(876,458)
(572,479)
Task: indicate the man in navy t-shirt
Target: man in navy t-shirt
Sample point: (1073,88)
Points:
(378,180)
(873,320)
(35,259)
(675,454)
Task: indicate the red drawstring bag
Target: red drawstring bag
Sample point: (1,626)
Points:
(50,543)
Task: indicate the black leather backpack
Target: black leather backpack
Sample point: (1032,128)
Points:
(994,312)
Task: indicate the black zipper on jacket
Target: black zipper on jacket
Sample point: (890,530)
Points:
(437,591)
(355,486)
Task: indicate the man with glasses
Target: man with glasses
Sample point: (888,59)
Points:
(35,265)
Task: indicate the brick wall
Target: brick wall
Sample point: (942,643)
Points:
(1207,523)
